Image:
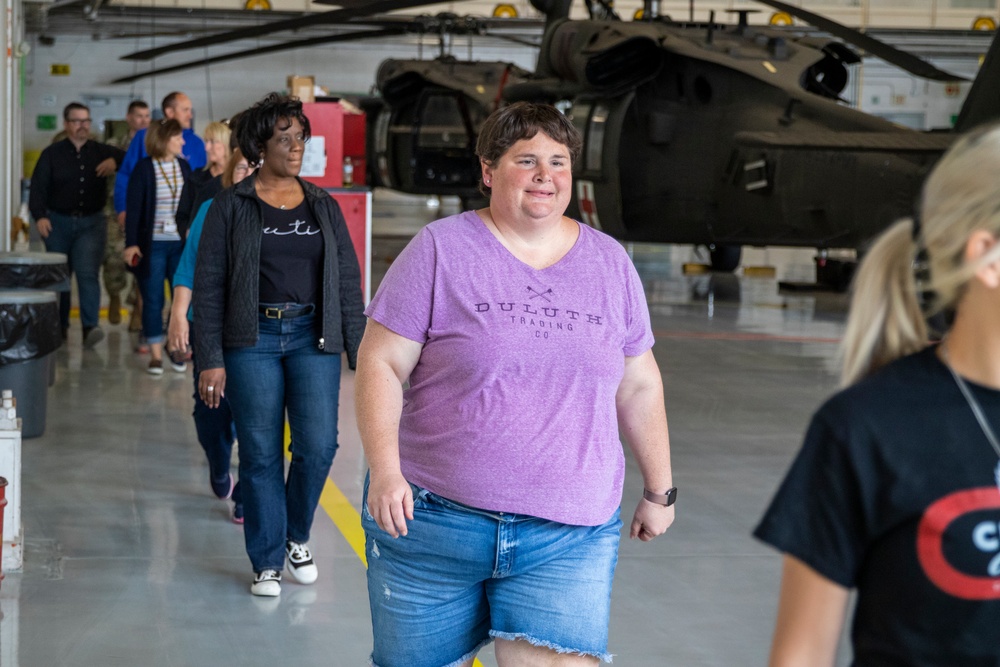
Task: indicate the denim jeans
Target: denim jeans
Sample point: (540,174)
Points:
(216,430)
(463,576)
(164,256)
(284,371)
(82,240)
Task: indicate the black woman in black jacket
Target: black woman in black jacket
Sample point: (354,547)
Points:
(277,299)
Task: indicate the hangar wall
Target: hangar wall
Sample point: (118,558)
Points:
(220,90)
(217,91)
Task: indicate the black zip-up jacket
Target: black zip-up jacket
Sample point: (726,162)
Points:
(227,276)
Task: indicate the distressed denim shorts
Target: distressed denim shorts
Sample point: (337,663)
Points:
(462,577)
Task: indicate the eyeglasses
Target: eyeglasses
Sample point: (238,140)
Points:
(79,121)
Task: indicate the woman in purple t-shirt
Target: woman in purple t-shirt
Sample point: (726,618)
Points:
(492,506)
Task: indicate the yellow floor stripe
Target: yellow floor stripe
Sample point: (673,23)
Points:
(344,516)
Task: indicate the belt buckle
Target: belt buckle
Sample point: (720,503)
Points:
(272,313)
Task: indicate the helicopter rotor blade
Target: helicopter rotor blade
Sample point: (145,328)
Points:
(518,40)
(890,54)
(352,9)
(284,46)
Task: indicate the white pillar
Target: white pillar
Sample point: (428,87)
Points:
(11,151)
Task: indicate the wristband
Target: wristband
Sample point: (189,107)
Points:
(666,499)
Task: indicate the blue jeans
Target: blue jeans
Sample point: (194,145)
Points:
(284,371)
(462,576)
(164,256)
(82,240)
(216,430)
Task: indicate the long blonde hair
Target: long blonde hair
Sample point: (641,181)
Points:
(886,319)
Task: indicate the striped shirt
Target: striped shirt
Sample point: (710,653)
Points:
(169,181)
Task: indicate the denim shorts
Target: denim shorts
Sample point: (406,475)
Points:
(462,577)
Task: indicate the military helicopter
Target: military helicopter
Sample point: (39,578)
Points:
(712,134)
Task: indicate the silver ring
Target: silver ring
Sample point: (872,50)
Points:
(211,388)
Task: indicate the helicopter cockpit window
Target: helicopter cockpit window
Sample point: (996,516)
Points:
(442,125)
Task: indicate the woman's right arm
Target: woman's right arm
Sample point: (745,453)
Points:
(811,613)
(134,206)
(385,361)
(178,330)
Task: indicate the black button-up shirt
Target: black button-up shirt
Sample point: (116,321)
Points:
(65,179)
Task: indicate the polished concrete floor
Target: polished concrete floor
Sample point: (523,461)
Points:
(130,561)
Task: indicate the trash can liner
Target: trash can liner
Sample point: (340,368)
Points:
(34,270)
(29,325)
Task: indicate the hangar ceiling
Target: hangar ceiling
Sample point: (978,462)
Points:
(115,21)
(79,17)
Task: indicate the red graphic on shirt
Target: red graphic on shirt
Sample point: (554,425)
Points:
(930,550)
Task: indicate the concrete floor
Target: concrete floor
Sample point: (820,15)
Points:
(129,560)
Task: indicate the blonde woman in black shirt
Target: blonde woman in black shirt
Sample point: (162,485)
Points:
(896,491)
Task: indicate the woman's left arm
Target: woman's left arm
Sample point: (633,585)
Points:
(352,307)
(642,418)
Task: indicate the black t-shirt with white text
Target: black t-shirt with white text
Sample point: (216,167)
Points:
(291,256)
(895,493)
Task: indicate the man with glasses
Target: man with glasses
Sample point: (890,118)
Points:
(68,193)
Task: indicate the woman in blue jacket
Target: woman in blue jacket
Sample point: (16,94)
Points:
(216,430)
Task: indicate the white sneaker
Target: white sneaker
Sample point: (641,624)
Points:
(267,584)
(300,563)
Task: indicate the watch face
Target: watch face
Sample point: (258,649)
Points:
(672,496)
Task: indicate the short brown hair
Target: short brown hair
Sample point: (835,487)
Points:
(159,135)
(523,120)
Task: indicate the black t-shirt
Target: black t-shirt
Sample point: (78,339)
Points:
(894,493)
(291,256)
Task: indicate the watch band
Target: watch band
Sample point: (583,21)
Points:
(666,499)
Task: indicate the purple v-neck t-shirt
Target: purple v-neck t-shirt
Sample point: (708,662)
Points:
(511,407)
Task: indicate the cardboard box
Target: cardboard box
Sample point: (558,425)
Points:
(302,87)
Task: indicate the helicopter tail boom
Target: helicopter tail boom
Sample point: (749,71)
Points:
(982,105)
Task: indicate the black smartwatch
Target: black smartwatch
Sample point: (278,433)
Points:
(666,499)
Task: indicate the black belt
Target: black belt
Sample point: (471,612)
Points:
(285,312)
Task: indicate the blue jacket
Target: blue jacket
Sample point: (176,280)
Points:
(184,275)
(194,153)
(141,210)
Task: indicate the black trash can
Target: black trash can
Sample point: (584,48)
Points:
(36,271)
(29,334)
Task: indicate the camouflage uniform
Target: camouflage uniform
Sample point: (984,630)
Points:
(115,273)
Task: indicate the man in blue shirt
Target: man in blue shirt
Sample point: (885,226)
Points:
(177,106)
